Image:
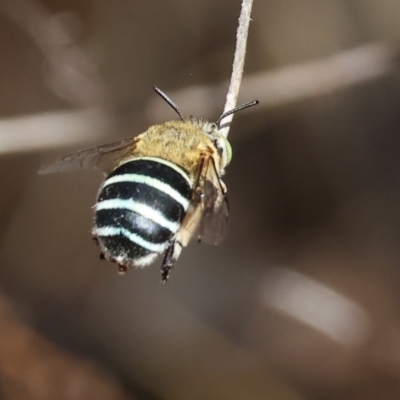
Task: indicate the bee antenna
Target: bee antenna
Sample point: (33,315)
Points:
(236,109)
(169,101)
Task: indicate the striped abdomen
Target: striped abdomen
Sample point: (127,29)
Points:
(140,208)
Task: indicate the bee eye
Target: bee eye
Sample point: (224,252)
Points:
(228,151)
(224,149)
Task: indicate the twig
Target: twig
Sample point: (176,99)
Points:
(71,74)
(52,130)
(238,64)
(294,83)
(324,76)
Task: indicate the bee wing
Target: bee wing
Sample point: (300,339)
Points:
(104,157)
(214,204)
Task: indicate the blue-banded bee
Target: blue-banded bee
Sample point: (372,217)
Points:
(161,187)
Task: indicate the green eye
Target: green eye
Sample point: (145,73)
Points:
(228,150)
(224,148)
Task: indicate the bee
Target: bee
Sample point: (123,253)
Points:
(161,188)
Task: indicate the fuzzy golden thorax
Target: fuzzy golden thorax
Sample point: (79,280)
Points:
(180,142)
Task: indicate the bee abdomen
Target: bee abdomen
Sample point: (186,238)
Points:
(140,208)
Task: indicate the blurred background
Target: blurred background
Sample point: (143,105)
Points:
(301,300)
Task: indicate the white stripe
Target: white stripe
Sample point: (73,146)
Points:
(146,260)
(114,231)
(142,209)
(168,164)
(153,182)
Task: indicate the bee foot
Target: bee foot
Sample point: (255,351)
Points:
(165,273)
(122,269)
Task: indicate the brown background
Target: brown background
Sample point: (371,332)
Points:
(301,301)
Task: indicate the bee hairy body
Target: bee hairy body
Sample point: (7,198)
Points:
(162,187)
(140,208)
(145,205)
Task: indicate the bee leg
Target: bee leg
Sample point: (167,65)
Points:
(167,263)
(171,255)
(122,269)
(101,255)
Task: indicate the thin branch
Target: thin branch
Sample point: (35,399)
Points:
(238,64)
(275,88)
(40,132)
(72,75)
(294,83)
(324,76)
